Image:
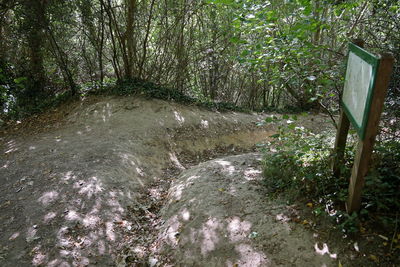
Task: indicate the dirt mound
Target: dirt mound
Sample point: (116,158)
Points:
(218,214)
(78,193)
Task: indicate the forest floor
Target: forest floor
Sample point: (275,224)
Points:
(136,182)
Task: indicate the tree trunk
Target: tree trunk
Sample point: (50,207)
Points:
(101,44)
(146,38)
(34,13)
(62,59)
(129,34)
(180,49)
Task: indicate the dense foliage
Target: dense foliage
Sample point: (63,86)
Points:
(298,162)
(256,54)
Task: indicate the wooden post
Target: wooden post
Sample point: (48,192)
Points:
(340,143)
(365,147)
(341,135)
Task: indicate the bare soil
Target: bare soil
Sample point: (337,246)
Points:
(218,214)
(75,192)
(113,181)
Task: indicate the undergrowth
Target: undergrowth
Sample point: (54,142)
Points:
(148,89)
(28,105)
(298,164)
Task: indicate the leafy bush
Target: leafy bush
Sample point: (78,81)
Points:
(300,160)
(382,185)
(298,164)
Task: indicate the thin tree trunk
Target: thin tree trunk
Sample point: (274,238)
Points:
(63,62)
(180,49)
(129,34)
(101,45)
(317,33)
(146,39)
(115,61)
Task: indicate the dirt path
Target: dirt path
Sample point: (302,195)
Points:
(218,215)
(80,194)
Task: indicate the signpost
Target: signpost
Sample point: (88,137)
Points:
(367,79)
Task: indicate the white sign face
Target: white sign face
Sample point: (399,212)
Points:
(356,88)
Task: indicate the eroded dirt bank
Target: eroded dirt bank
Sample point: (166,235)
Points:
(77,195)
(218,214)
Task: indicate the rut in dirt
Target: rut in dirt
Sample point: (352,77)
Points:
(76,194)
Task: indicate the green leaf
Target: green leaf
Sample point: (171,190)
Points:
(245,53)
(224,2)
(235,40)
(269,119)
(20,80)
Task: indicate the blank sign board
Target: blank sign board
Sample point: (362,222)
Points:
(359,86)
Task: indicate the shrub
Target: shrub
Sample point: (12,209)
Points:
(298,164)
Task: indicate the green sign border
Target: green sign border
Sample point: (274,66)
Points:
(374,62)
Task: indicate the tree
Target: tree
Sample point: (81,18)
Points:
(258,54)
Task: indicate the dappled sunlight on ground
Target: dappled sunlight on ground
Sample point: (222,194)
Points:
(177,189)
(87,223)
(65,217)
(102,112)
(204,124)
(238,230)
(324,250)
(11,146)
(48,197)
(68,196)
(219,216)
(6,164)
(209,238)
(252,174)
(249,257)
(90,187)
(175,161)
(179,118)
(227,166)
(214,235)
(222,239)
